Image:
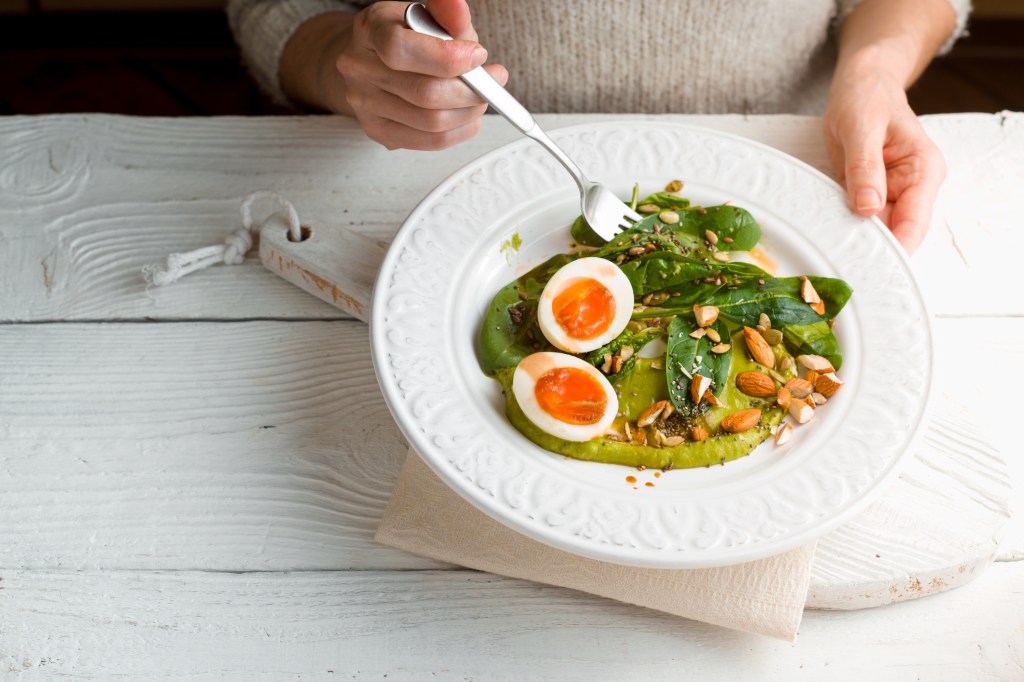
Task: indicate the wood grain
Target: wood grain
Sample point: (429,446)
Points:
(267,446)
(457,625)
(89,200)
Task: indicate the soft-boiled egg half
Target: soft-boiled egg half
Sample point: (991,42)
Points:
(564,396)
(584,305)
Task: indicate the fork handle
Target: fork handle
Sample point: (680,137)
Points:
(482,83)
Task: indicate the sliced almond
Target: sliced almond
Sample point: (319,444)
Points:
(827,384)
(648,416)
(808,293)
(737,422)
(784,433)
(629,431)
(759,348)
(672,441)
(799,388)
(698,333)
(712,399)
(815,362)
(698,386)
(784,398)
(800,411)
(818,307)
(818,398)
(667,412)
(706,314)
(755,384)
(714,336)
(698,433)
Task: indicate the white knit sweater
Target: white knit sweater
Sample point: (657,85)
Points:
(648,56)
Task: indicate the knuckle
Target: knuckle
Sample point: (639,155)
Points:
(345,64)
(390,49)
(435,120)
(863,163)
(430,93)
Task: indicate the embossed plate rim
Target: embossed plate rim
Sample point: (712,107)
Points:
(440,451)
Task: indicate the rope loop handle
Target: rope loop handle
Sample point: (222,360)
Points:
(235,246)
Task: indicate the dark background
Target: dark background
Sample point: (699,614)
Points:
(177,58)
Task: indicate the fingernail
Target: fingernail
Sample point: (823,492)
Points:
(868,200)
(479,55)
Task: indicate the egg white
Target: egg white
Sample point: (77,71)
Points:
(605,272)
(524,382)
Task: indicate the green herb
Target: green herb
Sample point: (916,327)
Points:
(687,357)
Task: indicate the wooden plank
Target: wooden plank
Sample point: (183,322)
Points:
(89,200)
(264,446)
(455,625)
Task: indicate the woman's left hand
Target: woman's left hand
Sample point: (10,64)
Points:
(881,153)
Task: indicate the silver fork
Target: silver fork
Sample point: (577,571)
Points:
(605,212)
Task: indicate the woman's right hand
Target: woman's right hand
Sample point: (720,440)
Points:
(402,86)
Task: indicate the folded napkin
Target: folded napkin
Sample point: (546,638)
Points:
(428,518)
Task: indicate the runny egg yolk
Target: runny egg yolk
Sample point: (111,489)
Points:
(571,395)
(584,309)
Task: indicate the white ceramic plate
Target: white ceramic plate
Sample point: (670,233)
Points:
(446,263)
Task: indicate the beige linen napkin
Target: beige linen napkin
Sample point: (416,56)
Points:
(426,517)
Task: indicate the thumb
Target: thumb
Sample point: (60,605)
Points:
(864,168)
(453,15)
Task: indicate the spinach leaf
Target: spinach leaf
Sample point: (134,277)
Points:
(834,292)
(813,339)
(582,233)
(727,222)
(693,279)
(665,201)
(687,356)
(511,319)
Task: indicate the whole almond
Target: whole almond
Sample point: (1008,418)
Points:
(698,433)
(755,384)
(737,422)
(759,348)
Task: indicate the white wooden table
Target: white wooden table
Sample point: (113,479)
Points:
(190,477)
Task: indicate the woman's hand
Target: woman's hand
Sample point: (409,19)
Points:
(402,86)
(881,153)
(877,146)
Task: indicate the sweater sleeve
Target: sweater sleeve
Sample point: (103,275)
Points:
(962,8)
(263,27)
